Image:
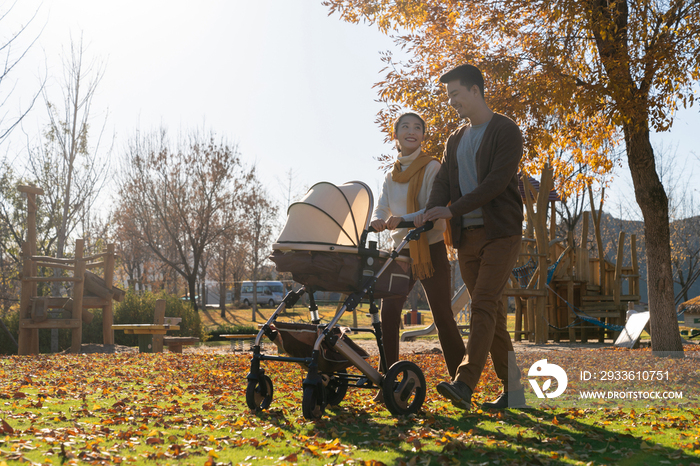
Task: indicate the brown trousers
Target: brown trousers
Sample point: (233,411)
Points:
(437,290)
(485,266)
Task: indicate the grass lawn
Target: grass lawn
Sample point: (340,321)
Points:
(190,409)
(233,316)
(211,317)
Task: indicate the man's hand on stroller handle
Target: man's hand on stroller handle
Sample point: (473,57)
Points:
(433,214)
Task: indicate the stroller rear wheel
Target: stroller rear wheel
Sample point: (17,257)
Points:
(312,403)
(404,388)
(337,388)
(258,394)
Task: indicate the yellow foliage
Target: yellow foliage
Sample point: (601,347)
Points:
(572,74)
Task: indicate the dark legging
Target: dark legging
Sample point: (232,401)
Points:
(437,289)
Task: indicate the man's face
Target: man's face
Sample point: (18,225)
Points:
(462,99)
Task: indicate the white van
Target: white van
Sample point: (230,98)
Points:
(269,293)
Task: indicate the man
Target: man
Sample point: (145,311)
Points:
(478,179)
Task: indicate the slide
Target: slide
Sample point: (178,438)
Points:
(460,299)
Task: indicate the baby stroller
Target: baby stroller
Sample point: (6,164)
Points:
(323,246)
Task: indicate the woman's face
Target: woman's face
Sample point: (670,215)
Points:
(409,135)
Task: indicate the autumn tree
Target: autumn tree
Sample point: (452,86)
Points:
(578,76)
(70,165)
(569,210)
(261,217)
(685,255)
(11,234)
(13,224)
(181,197)
(16,40)
(228,263)
(12,52)
(685,230)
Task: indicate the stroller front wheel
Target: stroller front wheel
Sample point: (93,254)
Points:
(404,388)
(312,403)
(258,394)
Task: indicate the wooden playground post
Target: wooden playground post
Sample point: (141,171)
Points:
(617,287)
(582,256)
(598,238)
(570,289)
(539,219)
(551,298)
(634,283)
(107,314)
(543,249)
(29,338)
(78,290)
(159,318)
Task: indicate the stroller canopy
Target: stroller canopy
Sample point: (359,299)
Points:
(328,217)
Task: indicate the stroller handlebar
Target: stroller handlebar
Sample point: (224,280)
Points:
(423,228)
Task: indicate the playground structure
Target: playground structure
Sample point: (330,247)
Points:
(561,292)
(89,291)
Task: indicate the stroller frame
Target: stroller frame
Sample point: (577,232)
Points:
(403,384)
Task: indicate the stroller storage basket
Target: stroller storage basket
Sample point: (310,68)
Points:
(343,272)
(297,340)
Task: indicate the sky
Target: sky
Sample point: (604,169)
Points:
(290,85)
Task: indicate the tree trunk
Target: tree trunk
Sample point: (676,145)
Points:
(192,287)
(254,304)
(222,285)
(652,200)
(682,283)
(222,298)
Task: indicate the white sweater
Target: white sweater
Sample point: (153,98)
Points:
(392,200)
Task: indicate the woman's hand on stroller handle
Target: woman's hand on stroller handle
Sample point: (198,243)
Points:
(377,225)
(390,224)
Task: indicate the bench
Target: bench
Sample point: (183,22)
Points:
(239,337)
(145,333)
(175,344)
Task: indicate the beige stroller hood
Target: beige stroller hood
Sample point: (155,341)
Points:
(328,218)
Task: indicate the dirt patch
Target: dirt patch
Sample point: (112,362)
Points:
(92,348)
(420,346)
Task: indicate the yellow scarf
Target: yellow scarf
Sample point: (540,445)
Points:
(422,266)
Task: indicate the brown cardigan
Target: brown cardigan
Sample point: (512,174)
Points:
(497,162)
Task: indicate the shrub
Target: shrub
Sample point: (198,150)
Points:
(11,320)
(134,309)
(140,309)
(215,334)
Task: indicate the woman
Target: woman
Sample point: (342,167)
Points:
(404,194)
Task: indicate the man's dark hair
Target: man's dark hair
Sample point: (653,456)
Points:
(468,75)
(397,121)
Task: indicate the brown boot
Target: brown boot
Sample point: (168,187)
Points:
(457,392)
(514,399)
